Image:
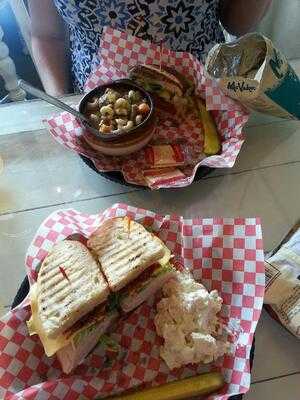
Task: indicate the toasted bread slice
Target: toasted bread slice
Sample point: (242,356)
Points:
(69,285)
(124,249)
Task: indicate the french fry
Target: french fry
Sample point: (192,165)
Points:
(212,144)
(183,389)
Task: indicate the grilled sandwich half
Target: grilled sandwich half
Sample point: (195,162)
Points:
(69,285)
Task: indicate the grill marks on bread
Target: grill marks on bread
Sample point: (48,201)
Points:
(124,249)
(63,301)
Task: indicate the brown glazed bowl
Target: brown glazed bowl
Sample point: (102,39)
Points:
(127,142)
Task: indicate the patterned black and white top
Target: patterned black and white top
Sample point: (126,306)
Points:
(183,25)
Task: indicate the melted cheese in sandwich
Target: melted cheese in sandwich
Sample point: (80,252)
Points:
(51,346)
(166,258)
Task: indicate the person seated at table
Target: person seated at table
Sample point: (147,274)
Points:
(183,25)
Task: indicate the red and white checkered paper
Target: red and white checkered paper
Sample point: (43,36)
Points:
(224,253)
(118,52)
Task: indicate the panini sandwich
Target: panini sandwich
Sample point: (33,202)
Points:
(81,290)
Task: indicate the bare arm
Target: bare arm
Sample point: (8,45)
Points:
(48,46)
(241,16)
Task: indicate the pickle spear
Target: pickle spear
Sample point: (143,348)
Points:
(212,144)
(182,389)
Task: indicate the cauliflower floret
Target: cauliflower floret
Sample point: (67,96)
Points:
(187,320)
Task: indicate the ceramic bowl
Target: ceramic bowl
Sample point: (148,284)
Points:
(124,143)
